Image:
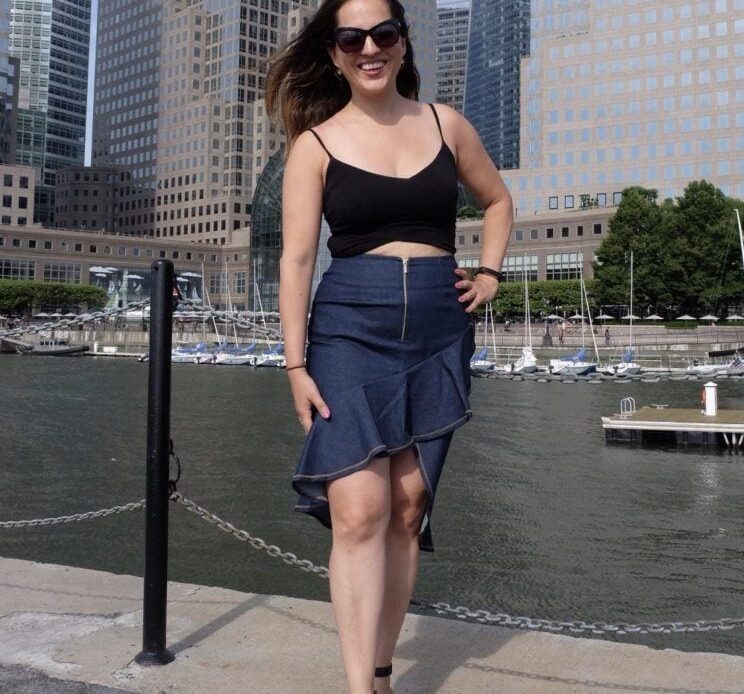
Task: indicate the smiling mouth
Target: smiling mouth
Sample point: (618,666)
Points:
(372,66)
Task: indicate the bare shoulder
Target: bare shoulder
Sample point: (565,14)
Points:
(307,153)
(452,121)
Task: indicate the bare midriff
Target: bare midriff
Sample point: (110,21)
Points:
(406,249)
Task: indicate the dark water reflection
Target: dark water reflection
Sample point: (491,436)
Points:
(536,515)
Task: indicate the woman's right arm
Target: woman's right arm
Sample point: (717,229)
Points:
(302,205)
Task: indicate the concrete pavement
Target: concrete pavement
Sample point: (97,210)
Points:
(76,631)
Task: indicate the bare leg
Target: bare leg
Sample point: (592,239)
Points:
(408,499)
(360,514)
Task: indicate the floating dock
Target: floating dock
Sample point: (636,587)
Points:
(683,427)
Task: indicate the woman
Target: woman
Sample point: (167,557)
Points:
(390,336)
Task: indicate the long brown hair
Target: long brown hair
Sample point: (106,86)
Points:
(302,89)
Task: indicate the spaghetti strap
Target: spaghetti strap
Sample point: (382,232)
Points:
(322,144)
(439,125)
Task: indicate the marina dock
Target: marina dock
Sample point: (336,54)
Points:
(60,626)
(661,424)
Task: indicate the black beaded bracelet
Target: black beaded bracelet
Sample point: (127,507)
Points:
(488,271)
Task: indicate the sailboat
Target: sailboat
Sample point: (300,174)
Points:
(576,363)
(527,363)
(627,365)
(480,362)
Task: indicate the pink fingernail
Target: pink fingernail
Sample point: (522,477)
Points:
(326,413)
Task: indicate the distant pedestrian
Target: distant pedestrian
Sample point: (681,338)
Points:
(560,334)
(607,337)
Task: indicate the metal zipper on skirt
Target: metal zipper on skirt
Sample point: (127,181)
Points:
(405,299)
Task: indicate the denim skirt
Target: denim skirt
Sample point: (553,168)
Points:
(389,349)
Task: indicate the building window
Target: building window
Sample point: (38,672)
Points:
(476,238)
(47,245)
(14,269)
(22,221)
(92,249)
(549,233)
(601,199)
(217,283)
(8,181)
(240,282)
(519,235)
(24,181)
(78,248)
(176,255)
(514,268)
(553,203)
(568,202)
(6,219)
(23,203)
(563,266)
(564,232)
(598,228)
(7,201)
(579,230)
(68,273)
(617,198)
(32,243)
(16,243)
(534,234)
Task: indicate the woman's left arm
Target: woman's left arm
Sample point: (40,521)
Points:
(478,173)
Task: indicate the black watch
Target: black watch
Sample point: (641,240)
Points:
(488,271)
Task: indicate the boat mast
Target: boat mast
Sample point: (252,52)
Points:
(741,237)
(527,320)
(591,325)
(631,300)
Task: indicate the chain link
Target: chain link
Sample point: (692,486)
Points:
(74,517)
(465,613)
(244,536)
(228,317)
(78,320)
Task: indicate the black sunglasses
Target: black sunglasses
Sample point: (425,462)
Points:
(351,40)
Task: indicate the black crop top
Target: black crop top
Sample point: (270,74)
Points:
(366,210)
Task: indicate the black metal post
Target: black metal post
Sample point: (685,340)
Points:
(154,651)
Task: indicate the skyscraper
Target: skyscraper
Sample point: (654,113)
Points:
(453,21)
(126,106)
(51,41)
(8,89)
(499,37)
(421,16)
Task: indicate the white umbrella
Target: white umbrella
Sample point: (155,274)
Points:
(685,317)
(552,316)
(189,274)
(710,316)
(630,316)
(41,315)
(97,268)
(576,316)
(653,316)
(55,315)
(135,277)
(734,317)
(70,315)
(604,316)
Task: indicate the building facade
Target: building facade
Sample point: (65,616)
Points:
(125,123)
(453,23)
(18,189)
(85,196)
(9,69)
(499,38)
(51,42)
(421,16)
(616,94)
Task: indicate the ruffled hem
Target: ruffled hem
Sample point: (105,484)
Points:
(385,417)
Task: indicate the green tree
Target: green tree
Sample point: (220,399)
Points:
(17,296)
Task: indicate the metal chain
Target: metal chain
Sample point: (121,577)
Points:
(228,317)
(465,613)
(78,320)
(245,536)
(75,517)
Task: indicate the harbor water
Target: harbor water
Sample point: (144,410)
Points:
(536,515)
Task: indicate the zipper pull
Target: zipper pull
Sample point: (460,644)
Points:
(405,265)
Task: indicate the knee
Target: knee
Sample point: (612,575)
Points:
(359,522)
(407,512)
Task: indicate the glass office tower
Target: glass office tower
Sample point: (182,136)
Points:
(51,40)
(499,37)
